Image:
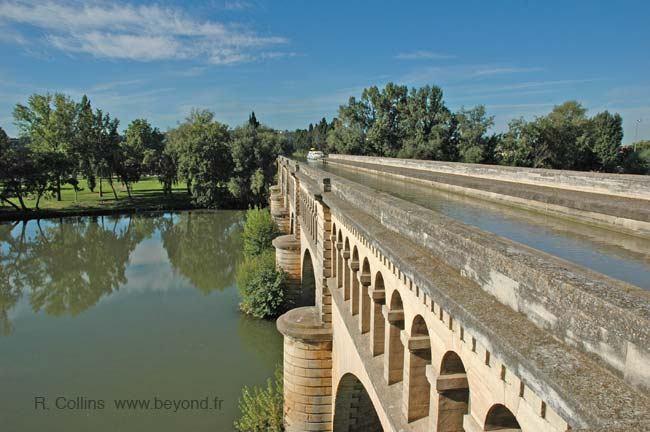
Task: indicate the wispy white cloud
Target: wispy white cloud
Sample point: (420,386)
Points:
(136,32)
(115,84)
(10,36)
(504,71)
(237,5)
(422,55)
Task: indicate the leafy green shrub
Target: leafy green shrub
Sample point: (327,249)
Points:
(261,408)
(259,231)
(261,286)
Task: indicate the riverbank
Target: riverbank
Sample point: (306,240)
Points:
(146,195)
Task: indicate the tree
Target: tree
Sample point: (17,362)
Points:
(262,286)
(474,146)
(429,126)
(254,150)
(21,173)
(107,153)
(396,122)
(252,120)
(48,122)
(141,144)
(606,133)
(85,141)
(643,150)
(201,147)
(262,408)
(259,231)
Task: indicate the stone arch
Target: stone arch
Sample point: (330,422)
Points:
(394,350)
(417,389)
(453,393)
(353,408)
(364,297)
(499,417)
(346,269)
(307,295)
(378,324)
(354,281)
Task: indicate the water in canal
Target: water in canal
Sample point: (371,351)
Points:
(126,308)
(614,254)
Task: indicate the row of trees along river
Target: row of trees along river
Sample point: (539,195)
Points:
(416,123)
(62,141)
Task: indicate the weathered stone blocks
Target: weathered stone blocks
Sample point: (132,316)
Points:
(307,370)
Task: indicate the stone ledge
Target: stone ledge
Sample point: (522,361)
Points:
(304,323)
(286,242)
(637,186)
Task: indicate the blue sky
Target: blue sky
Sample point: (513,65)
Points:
(293,62)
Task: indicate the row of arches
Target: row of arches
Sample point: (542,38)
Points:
(444,398)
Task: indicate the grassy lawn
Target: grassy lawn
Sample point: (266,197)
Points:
(146,194)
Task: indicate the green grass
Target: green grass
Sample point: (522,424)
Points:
(146,194)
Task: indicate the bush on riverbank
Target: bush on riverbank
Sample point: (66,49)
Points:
(261,286)
(259,231)
(261,408)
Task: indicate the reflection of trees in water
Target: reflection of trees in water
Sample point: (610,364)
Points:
(204,247)
(261,337)
(12,253)
(79,261)
(68,266)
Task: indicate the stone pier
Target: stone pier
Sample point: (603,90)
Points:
(287,257)
(307,370)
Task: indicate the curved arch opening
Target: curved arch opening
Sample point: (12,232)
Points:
(394,358)
(451,364)
(307,295)
(378,325)
(499,417)
(417,387)
(453,400)
(353,408)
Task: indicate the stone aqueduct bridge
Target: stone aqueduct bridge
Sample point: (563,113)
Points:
(416,322)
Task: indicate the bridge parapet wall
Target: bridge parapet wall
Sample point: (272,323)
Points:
(627,185)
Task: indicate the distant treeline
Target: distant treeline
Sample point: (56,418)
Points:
(62,140)
(416,123)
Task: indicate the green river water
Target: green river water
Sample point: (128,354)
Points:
(95,311)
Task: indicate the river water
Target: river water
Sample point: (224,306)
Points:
(614,254)
(126,308)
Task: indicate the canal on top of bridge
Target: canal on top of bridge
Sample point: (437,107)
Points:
(614,254)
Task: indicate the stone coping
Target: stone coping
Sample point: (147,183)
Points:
(304,323)
(286,242)
(279,212)
(629,185)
